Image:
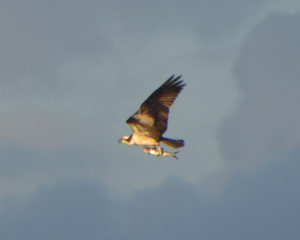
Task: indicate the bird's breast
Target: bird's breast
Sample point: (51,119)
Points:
(144,140)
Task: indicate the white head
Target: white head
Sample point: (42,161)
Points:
(125,139)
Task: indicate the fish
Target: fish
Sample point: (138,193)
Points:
(158,153)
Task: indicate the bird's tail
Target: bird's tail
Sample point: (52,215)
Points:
(174,143)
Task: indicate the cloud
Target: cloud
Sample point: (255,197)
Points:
(260,205)
(67,211)
(73,72)
(266,121)
(208,19)
(39,38)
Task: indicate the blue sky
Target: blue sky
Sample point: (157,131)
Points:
(72,72)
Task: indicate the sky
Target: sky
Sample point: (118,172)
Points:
(72,72)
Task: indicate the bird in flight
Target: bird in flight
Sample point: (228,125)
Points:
(150,122)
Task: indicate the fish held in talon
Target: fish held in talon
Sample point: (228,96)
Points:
(154,151)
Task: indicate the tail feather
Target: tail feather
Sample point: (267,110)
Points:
(174,143)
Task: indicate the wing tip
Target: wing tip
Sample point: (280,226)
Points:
(177,82)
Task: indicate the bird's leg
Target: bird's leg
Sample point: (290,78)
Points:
(146,149)
(159,149)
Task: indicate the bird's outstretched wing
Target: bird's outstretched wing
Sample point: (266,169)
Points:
(152,118)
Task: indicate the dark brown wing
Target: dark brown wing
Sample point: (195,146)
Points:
(152,117)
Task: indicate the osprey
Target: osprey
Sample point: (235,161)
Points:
(150,122)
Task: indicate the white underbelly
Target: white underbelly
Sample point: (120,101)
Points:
(142,140)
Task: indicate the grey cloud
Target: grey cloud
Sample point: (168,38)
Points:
(261,205)
(67,70)
(68,211)
(209,19)
(267,72)
(38,36)
(19,161)
(41,39)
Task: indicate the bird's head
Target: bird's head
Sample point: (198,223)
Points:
(125,139)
